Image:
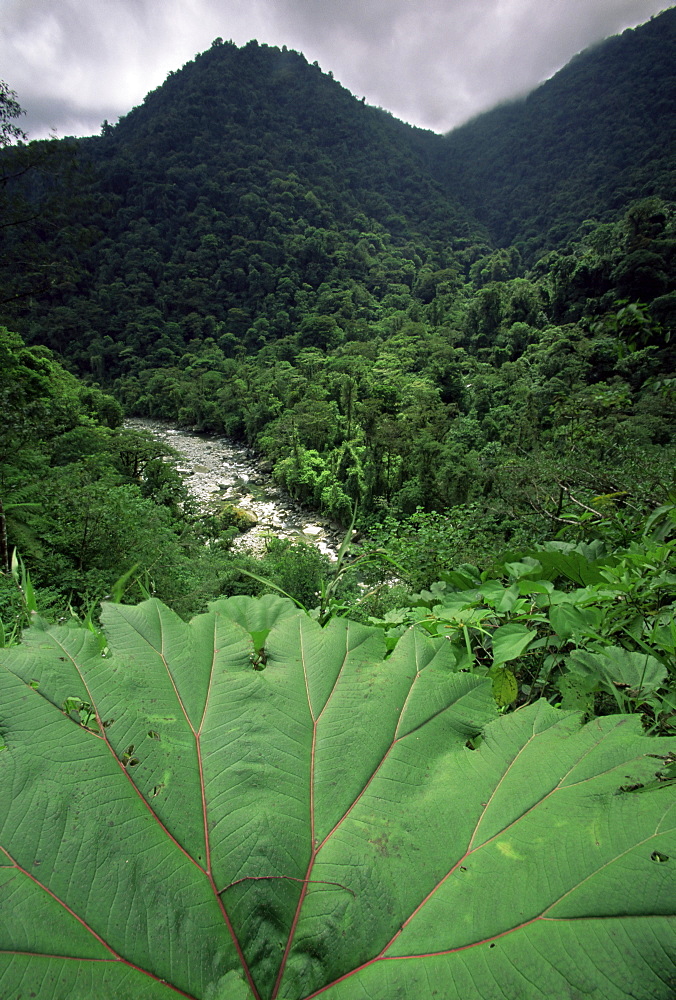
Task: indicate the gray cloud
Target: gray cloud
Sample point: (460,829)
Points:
(434,63)
(439,62)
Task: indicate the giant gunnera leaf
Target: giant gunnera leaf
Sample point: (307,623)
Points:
(251,806)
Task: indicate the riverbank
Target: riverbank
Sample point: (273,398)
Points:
(218,471)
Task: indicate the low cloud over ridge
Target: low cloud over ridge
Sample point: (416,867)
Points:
(434,63)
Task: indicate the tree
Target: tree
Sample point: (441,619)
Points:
(31,192)
(9,109)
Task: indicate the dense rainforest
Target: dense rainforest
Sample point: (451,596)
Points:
(308,777)
(254,252)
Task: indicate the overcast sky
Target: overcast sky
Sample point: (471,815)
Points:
(434,63)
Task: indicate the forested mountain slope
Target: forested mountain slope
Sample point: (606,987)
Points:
(247,193)
(254,251)
(262,110)
(251,193)
(597,135)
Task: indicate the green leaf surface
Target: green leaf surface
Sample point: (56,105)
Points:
(569,621)
(509,642)
(505,687)
(636,673)
(574,562)
(318,827)
(577,692)
(528,567)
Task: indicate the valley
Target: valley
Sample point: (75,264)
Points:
(241,758)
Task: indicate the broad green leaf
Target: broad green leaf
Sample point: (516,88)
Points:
(509,642)
(575,562)
(258,617)
(569,620)
(638,674)
(577,692)
(462,576)
(460,613)
(528,567)
(505,687)
(664,632)
(536,587)
(318,827)
(501,598)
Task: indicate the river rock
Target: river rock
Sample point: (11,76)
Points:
(313,530)
(218,471)
(246,519)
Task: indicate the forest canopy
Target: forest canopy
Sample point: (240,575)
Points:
(307,777)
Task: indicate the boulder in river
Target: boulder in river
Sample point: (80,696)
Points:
(230,516)
(245,518)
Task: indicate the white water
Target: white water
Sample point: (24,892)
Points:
(215,471)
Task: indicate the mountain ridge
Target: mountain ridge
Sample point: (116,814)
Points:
(553,139)
(255,253)
(252,191)
(583,144)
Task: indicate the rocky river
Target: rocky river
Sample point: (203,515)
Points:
(218,471)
